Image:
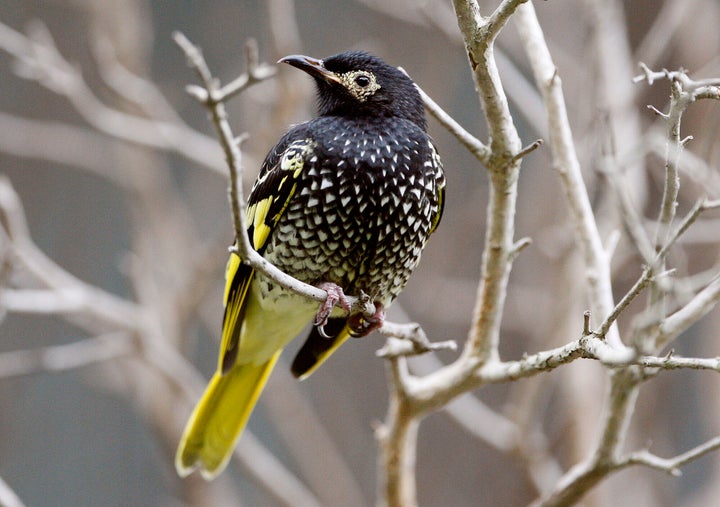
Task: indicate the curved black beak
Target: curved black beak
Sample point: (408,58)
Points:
(313,66)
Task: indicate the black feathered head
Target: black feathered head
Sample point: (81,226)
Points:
(356,83)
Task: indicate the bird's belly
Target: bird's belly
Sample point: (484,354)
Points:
(273,318)
(360,255)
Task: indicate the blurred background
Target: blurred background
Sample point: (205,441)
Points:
(142,214)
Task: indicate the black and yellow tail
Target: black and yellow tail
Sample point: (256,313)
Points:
(220,417)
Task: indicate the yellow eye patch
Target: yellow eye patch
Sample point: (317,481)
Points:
(360,83)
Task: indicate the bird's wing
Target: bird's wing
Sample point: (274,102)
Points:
(268,200)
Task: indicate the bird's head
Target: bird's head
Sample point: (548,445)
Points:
(355,83)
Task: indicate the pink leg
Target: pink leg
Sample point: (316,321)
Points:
(360,325)
(335,296)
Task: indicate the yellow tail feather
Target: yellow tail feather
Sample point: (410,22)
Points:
(219,418)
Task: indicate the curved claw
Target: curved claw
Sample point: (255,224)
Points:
(335,296)
(321,330)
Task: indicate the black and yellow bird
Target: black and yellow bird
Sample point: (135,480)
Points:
(346,202)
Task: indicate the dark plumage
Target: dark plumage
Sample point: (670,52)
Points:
(345,201)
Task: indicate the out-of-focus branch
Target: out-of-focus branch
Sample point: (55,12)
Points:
(39,60)
(660,35)
(581,478)
(75,147)
(684,91)
(700,305)
(671,465)
(272,474)
(97,308)
(67,357)
(597,263)
(8,498)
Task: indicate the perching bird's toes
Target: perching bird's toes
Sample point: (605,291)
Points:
(335,297)
(361,325)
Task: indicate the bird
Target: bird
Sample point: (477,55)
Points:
(346,202)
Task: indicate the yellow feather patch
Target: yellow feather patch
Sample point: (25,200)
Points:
(233,264)
(234,304)
(262,231)
(249,216)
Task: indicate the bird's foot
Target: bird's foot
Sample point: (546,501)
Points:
(335,297)
(361,324)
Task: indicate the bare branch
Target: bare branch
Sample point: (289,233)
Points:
(671,465)
(479,34)
(87,302)
(409,340)
(673,362)
(528,149)
(631,219)
(397,440)
(473,145)
(568,166)
(701,304)
(272,474)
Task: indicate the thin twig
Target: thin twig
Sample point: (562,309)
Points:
(677,322)
(671,465)
(473,145)
(673,362)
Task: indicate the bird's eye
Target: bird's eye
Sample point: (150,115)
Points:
(362,80)
(360,84)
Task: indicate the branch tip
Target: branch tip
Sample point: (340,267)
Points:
(409,340)
(658,112)
(708,205)
(241,138)
(586,323)
(197,92)
(519,246)
(252,54)
(527,150)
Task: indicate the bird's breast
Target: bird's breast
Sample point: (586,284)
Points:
(361,213)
